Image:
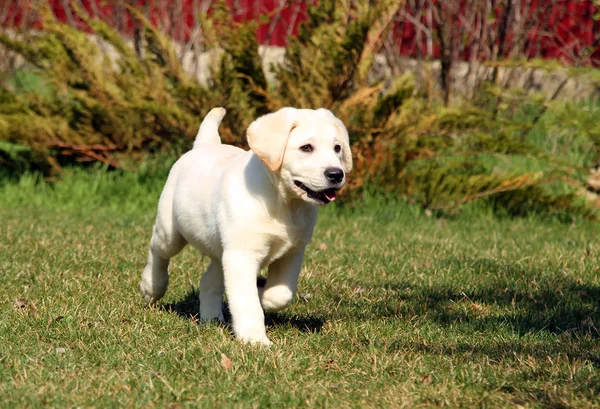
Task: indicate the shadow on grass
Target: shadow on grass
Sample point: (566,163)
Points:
(491,294)
(189,307)
(583,349)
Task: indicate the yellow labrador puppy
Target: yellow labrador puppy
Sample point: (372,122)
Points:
(247,210)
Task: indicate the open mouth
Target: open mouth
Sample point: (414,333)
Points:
(324,196)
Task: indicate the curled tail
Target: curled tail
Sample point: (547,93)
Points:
(209,128)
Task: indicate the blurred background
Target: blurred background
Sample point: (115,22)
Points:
(492,102)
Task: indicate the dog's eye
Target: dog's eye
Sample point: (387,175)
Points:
(337,148)
(306,148)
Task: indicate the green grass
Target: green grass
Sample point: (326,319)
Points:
(395,309)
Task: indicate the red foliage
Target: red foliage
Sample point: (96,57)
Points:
(567,30)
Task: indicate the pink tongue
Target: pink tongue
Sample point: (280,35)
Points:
(330,196)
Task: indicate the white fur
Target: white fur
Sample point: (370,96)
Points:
(244,211)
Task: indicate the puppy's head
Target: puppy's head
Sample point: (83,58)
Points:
(308,149)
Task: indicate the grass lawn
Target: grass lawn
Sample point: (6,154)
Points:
(395,309)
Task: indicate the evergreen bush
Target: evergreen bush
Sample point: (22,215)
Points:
(97,108)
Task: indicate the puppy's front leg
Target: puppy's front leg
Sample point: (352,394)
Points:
(240,268)
(282,280)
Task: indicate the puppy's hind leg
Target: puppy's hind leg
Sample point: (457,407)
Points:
(165,244)
(211,293)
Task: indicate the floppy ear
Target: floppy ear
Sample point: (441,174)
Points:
(268,135)
(343,133)
(346,152)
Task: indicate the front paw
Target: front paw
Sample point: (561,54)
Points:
(263,341)
(276,298)
(150,293)
(253,335)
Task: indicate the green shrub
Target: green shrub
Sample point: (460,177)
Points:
(519,153)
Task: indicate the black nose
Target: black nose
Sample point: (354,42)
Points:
(334,174)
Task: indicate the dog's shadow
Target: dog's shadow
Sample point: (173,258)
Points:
(189,307)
